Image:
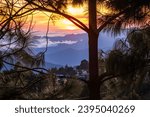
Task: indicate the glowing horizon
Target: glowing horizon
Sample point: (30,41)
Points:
(60,24)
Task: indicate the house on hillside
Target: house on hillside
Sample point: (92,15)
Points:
(82,74)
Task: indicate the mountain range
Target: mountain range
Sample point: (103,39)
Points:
(70,49)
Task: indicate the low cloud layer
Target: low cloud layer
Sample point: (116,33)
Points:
(42,42)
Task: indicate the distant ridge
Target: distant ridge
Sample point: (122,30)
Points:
(68,56)
(51,65)
(73,54)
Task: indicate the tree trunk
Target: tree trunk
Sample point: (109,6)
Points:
(94,85)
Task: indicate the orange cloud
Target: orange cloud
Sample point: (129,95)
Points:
(58,25)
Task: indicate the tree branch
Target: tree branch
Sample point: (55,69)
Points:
(75,21)
(30,69)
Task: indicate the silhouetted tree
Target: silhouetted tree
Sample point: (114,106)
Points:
(16,42)
(15,47)
(130,13)
(83,65)
(129,62)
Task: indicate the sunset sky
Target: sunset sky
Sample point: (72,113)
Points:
(62,26)
(59,26)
